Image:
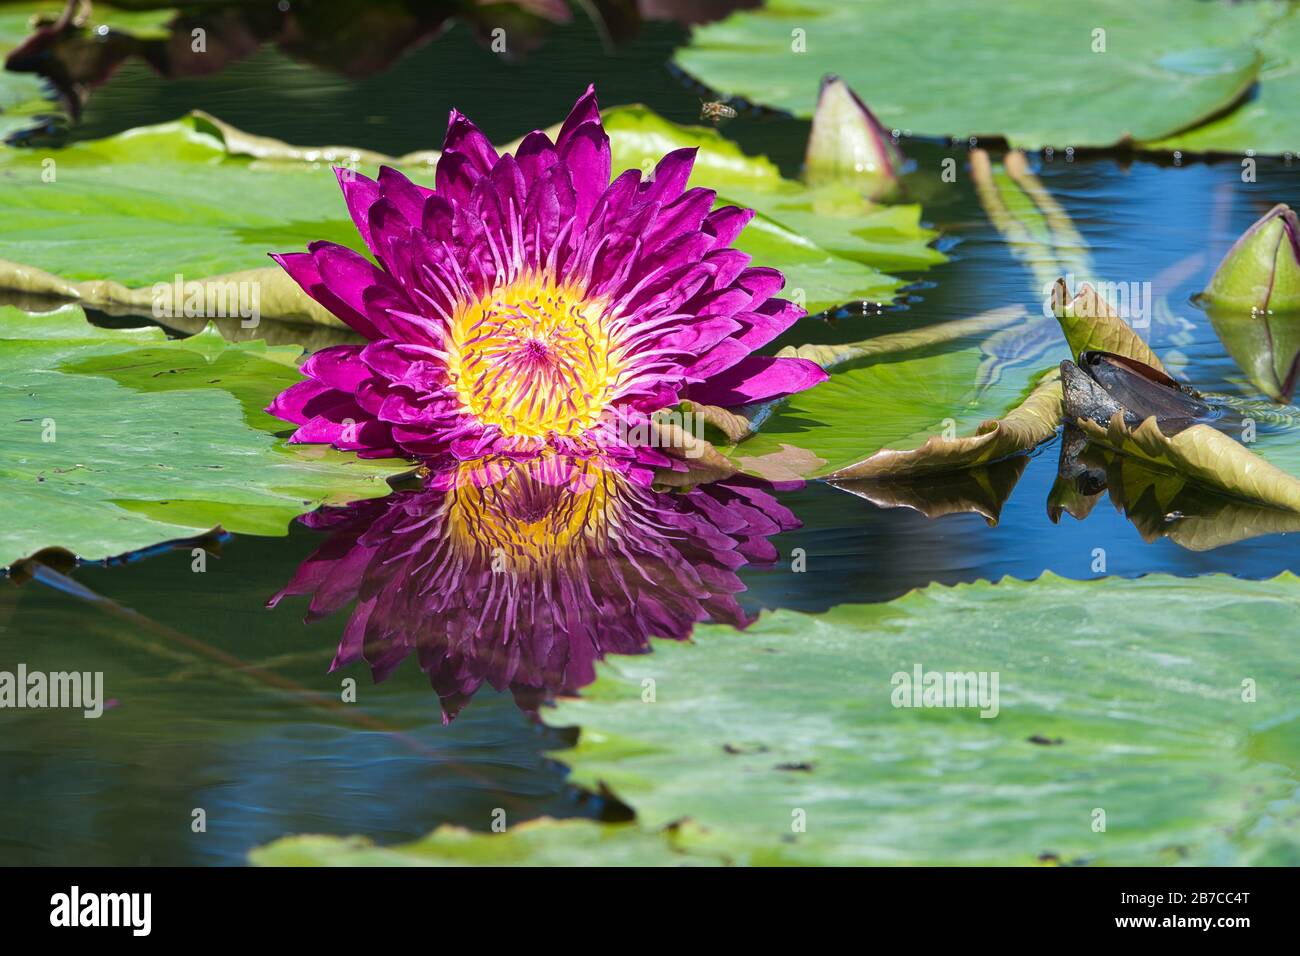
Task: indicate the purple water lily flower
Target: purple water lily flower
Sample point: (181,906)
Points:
(522,574)
(528,303)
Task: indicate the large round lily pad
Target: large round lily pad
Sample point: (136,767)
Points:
(114,440)
(1160,708)
(1037,72)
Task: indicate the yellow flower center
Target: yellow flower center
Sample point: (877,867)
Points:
(527,516)
(534,358)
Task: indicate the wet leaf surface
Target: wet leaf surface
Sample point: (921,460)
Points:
(1148,707)
(114,440)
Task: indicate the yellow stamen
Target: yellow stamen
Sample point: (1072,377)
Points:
(534,358)
(517,517)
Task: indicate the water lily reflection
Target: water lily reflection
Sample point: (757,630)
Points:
(522,574)
(1265,345)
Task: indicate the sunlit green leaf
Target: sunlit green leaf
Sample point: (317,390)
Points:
(1138,721)
(898,393)
(1037,72)
(1266,121)
(114,440)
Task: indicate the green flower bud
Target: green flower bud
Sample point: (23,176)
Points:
(848,144)
(1261,272)
(1253,302)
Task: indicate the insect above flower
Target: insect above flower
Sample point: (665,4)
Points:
(529,305)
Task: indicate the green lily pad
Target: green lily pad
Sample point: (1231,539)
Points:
(1122,698)
(922,388)
(1025,71)
(1024,427)
(115,440)
(1267,121)
(543,842)
(157,201)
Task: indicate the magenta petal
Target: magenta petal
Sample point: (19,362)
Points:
(361,286)
(729,264)
(768,321)
(719,358)
(756,378)
(398,409)
(437,219)
(683,216)
(456,177)
(542,218)
(318,430)
(302,268)
(712,301)
(585,110)
(586,154)
(726,223)
(406,197)
(535,155)
(464,138)
(385,359)
(393,242)
(373,439)
(699,335)
(509,192)
(393,361)
(359,194)
(671,175)
(338,366)
(761,282)
(293,402)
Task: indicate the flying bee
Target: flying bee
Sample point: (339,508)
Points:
(716,112)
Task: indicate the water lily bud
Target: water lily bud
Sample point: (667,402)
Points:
(848,144)
(1262,269)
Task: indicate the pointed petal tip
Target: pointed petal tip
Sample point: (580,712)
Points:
(585,110)
(345,174)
